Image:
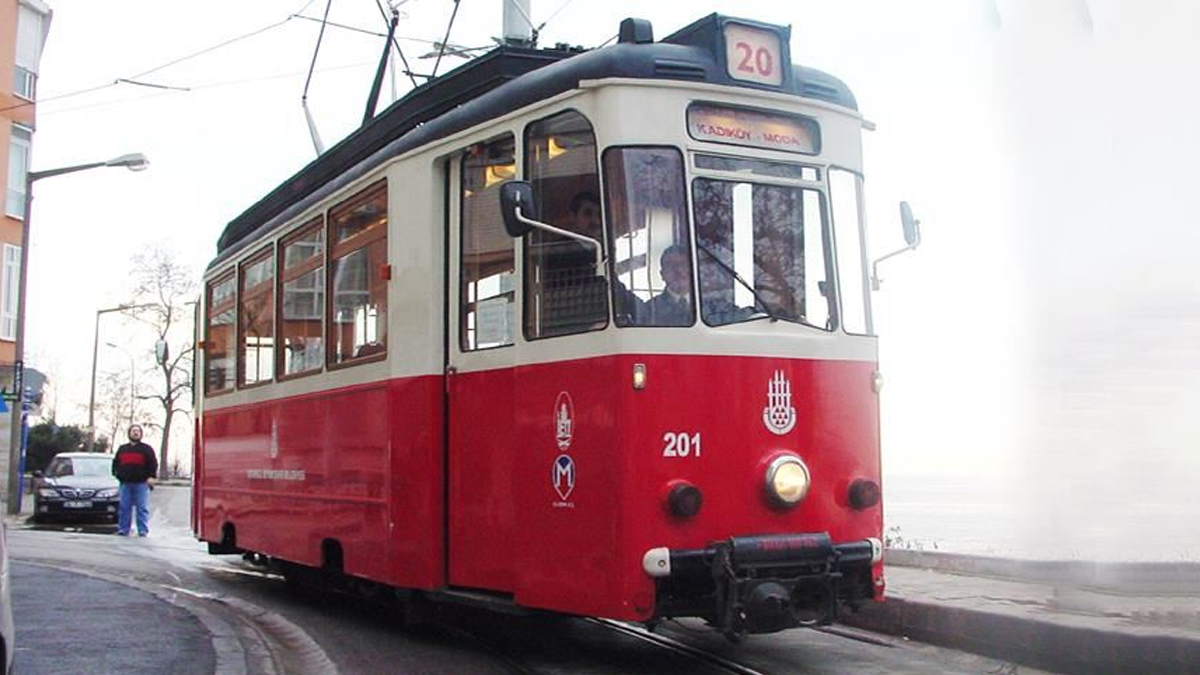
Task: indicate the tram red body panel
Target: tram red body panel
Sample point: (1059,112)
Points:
(372,461)
(483,483)
(584,554)
(362,465)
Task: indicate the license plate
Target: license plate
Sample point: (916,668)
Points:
(77,505)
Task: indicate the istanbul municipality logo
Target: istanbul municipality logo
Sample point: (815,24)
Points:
(779,416)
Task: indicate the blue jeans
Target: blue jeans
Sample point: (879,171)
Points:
(134,495)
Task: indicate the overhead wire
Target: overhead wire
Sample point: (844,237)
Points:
(376,34)
(202,87)
(126,80)
(210,49)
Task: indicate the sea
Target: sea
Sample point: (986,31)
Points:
(1051,521)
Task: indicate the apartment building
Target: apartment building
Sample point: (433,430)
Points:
(24,25)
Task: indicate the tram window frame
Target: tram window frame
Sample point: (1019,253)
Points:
(756,166)
(685,215)
(264,254)
(464,332)
(528,321)
(227,277)
(340,250)
(859,227)
(284,275)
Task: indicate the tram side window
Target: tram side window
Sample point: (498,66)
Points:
(651,249)
(218,335)
(487,261)
(564,291)
(357,284)
(302,286)
(256,346)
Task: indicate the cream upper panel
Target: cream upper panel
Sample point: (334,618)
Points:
(622,112)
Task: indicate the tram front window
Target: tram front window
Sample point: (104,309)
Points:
(761,253)
(651,249)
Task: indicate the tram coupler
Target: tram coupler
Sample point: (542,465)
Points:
(763,584)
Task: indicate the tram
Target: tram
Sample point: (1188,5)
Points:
(565,330)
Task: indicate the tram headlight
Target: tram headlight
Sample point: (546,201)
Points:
(788,480)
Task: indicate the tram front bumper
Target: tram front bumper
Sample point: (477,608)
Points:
(763,584)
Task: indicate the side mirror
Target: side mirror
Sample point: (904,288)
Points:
(912,226)
(513,195)
(39,474)
(912,238)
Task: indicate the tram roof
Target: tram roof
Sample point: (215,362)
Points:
(505,79)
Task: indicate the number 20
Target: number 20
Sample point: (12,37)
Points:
(681,444)
(755,60)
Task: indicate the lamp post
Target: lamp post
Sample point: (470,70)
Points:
(132,382)
(91,442)
(134,162)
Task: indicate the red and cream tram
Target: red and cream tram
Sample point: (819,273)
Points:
(641,385)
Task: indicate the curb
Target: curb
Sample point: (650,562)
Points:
(1044,644)
(243,640)
(1181,578)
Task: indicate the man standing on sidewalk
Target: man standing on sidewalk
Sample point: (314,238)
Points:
(135,466)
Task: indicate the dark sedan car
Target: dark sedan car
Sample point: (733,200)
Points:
(77,486)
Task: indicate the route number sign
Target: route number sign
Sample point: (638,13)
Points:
(752,54)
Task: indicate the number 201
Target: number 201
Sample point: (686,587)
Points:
(680,444)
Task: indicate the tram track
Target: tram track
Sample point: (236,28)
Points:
(517,661)
(676,646)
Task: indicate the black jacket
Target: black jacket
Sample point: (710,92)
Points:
(134,463)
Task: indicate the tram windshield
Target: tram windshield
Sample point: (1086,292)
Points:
(761,253)
(760,247)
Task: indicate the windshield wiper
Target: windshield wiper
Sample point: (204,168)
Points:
(732,272)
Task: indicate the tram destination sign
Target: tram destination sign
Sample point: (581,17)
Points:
(755,129)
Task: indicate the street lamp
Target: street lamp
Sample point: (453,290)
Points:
(132,382)
(91,443)
(134,162)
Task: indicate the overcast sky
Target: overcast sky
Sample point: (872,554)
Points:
(1046,332)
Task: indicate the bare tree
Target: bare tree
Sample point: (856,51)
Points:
(167,289)
(120,404)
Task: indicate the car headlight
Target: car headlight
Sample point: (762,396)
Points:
(788,480)
(107,493)
(48,492)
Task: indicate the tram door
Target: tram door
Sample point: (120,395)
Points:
(482,325)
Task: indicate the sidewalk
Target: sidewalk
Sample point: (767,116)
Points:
(1063,616)
(72,623)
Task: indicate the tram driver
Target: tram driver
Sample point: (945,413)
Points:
(673,306)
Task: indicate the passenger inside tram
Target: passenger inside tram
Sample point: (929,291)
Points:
(573,294)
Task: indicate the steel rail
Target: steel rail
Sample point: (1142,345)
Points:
(676,646)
